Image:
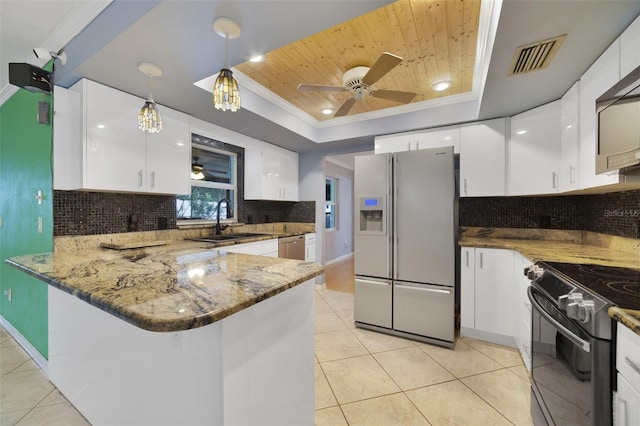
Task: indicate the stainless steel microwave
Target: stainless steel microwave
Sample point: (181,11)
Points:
(619,127)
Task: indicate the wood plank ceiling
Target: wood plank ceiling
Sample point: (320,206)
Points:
(436,39)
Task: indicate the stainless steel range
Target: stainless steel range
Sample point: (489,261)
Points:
(572,350)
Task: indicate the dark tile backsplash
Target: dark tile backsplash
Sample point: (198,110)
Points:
(616,213)
(259,211)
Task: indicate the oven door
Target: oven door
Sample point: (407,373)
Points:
(571,374)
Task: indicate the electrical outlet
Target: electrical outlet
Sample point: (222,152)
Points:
(8,293)
(80,217)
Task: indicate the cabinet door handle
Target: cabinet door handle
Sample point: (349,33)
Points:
(465,186)
(572,175)
(384,284)
(429,290)
(481,260)
(153,179)
(467,257)
(140,178)
(553,180)
(632,364)
(284,193)
(417,144)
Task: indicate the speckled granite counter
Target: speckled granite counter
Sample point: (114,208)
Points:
(564,246)
(178,286)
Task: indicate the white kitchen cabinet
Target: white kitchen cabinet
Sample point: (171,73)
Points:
(398,142)
(630,48)
(421,139)
(310,247)
(271,173)
(600,77)
(483,158)
(627,397)
(569,128)
(490,316)
(105,151)
(534,151)
(439,137)
(522,308)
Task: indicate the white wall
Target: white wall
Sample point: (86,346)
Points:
(311,188)
(339,243)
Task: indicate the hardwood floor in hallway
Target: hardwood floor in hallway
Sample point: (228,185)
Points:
(340,276)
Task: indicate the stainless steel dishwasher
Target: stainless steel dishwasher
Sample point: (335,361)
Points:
(291,247)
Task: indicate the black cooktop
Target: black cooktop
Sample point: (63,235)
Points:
(620,286)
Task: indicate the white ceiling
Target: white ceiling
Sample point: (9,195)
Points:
(177,35)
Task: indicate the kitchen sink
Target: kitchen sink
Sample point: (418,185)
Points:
(226,237)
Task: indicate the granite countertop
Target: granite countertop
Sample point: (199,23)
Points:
(564,246)
(177,286)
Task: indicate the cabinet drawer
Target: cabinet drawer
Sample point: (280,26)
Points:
(425,310)
(628,355)
(372,302)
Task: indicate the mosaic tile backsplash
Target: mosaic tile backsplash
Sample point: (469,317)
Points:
(616,213)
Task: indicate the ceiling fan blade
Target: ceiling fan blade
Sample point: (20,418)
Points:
(385,63)
(394,95)
(319,87)
(345,108)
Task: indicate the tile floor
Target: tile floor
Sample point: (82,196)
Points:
(362,378)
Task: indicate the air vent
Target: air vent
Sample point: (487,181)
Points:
(535,56)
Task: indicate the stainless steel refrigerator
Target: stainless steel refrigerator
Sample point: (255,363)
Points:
(404,245)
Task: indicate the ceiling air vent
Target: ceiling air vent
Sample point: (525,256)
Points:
(535,56)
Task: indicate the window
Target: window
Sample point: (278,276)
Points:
(213,179)
(331,205)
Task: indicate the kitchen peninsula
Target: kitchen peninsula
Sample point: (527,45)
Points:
(180,333)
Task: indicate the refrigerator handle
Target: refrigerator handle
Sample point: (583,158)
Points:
(392,218)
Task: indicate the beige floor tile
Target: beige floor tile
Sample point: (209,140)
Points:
(54,415)
(506,392)
(54,398)
(411,368)
(11,357)
(330,417)
(322,307)
(4,335)
(324,394)
(521,371)
(22,390)
(452,403)
(329,321)
(347,318)
(28,365)
(380,342)
(461,362)
(11,418)
(338,345)
(8,342)
(340,304)
(386,410)
(503,355)
(355,379)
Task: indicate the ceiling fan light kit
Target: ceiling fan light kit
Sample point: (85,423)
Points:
(360,81)
(149,119)
(226,95)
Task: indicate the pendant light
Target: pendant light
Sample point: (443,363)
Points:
(225,90)
(149,119)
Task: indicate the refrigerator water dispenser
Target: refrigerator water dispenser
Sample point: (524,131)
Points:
(372,215)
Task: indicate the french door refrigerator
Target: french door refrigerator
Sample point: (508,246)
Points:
(404,245)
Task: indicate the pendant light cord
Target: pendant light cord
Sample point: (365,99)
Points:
(226,51)
(151,88)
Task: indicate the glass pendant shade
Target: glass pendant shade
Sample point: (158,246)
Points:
(225,91)
(149,119)
(196,172)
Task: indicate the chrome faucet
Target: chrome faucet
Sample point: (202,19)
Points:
(218,227)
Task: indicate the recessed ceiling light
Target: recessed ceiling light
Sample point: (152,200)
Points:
(100,126)
(259,58)
(521,132)
(327,111)
(441,85)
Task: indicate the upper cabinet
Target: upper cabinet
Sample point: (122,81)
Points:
(569,139)
(271,173)
(483,158)
(422,139)
(100,148)
(630,48)
(534,151)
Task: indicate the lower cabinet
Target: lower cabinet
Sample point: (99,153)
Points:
(310,247)
(522,308)
(260,248)
(486,286)
(373,301)
(626,399)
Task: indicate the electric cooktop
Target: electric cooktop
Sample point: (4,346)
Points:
(620,286)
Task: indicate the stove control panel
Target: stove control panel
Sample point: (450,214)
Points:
(577,307)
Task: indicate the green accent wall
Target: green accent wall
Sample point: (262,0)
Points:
(25,167)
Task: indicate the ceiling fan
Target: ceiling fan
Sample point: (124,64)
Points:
(360,81)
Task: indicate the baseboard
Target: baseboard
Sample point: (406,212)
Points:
(339,259)
(26,345)
(498,339)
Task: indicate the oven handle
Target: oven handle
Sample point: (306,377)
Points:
(576,340)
